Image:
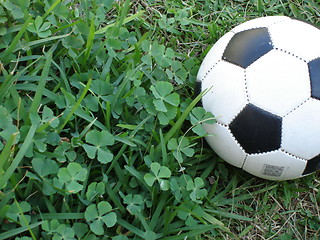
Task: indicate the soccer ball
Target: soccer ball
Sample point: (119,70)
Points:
(263,87)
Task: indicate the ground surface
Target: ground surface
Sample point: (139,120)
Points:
(100,134)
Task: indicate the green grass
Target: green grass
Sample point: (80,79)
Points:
(100,134)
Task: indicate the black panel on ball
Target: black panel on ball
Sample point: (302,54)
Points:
(314,71)
(197,91)
(247,46)
(257,130)
(312,165)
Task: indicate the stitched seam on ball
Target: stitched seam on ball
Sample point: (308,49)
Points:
(235,115)
(221,124)
(295,108)
(231,134)
(292,155)
(291,54)
(209,70)
(244,160)
(280,21)
(246,29)
(246,85)
(283,50)
(235,32)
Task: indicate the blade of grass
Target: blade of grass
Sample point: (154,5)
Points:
(88,44)
(180,120)
(6,152)
(131,228)
(124,146)
(9,79)
(126,20)
(15,41)
(60,216)
(16,161)
(163,149)
(23,217)
(42,83)
(81,113)
(229,215)
(13,232)
(77,104)
(114,199)
(63,76)
(41,42)
(195,232)
(157,213)
(50,9)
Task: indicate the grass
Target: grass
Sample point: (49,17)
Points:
(100,134)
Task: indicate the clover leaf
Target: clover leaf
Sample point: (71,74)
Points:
(95,189)
(48,117)
(178,186)
(159,174)
(99,215)
(137,96)
(197,116)
(44,166)
(41,28)
(135,202)
(14,9)
(197,190)
(64,152)
(181,148)
(64,232)
(7,129)
(96,145)
(16,212)
(72,176)
(164,103)
(50,226)
(162,93)
(80,229)
(185,211)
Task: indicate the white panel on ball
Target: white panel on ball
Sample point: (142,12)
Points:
(296,37)
(228,91)
(278,82)
(223,143)
(301,131)
(275,165)
(259,22)
(213,56)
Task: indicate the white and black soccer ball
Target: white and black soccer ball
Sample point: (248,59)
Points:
(263,82)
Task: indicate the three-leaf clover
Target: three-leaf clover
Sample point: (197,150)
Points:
(72,176)
(50,226)
(100,215)
(96,145)
(16,212)
(48,117)
(198,116)
(164,104)
(181,148)
(64,232)
(44,166)
(64,152)
(197,190)
(95,189)
(159,174)
(185,212)
(41,28)
(14,8)
(178,187)
(135,203)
